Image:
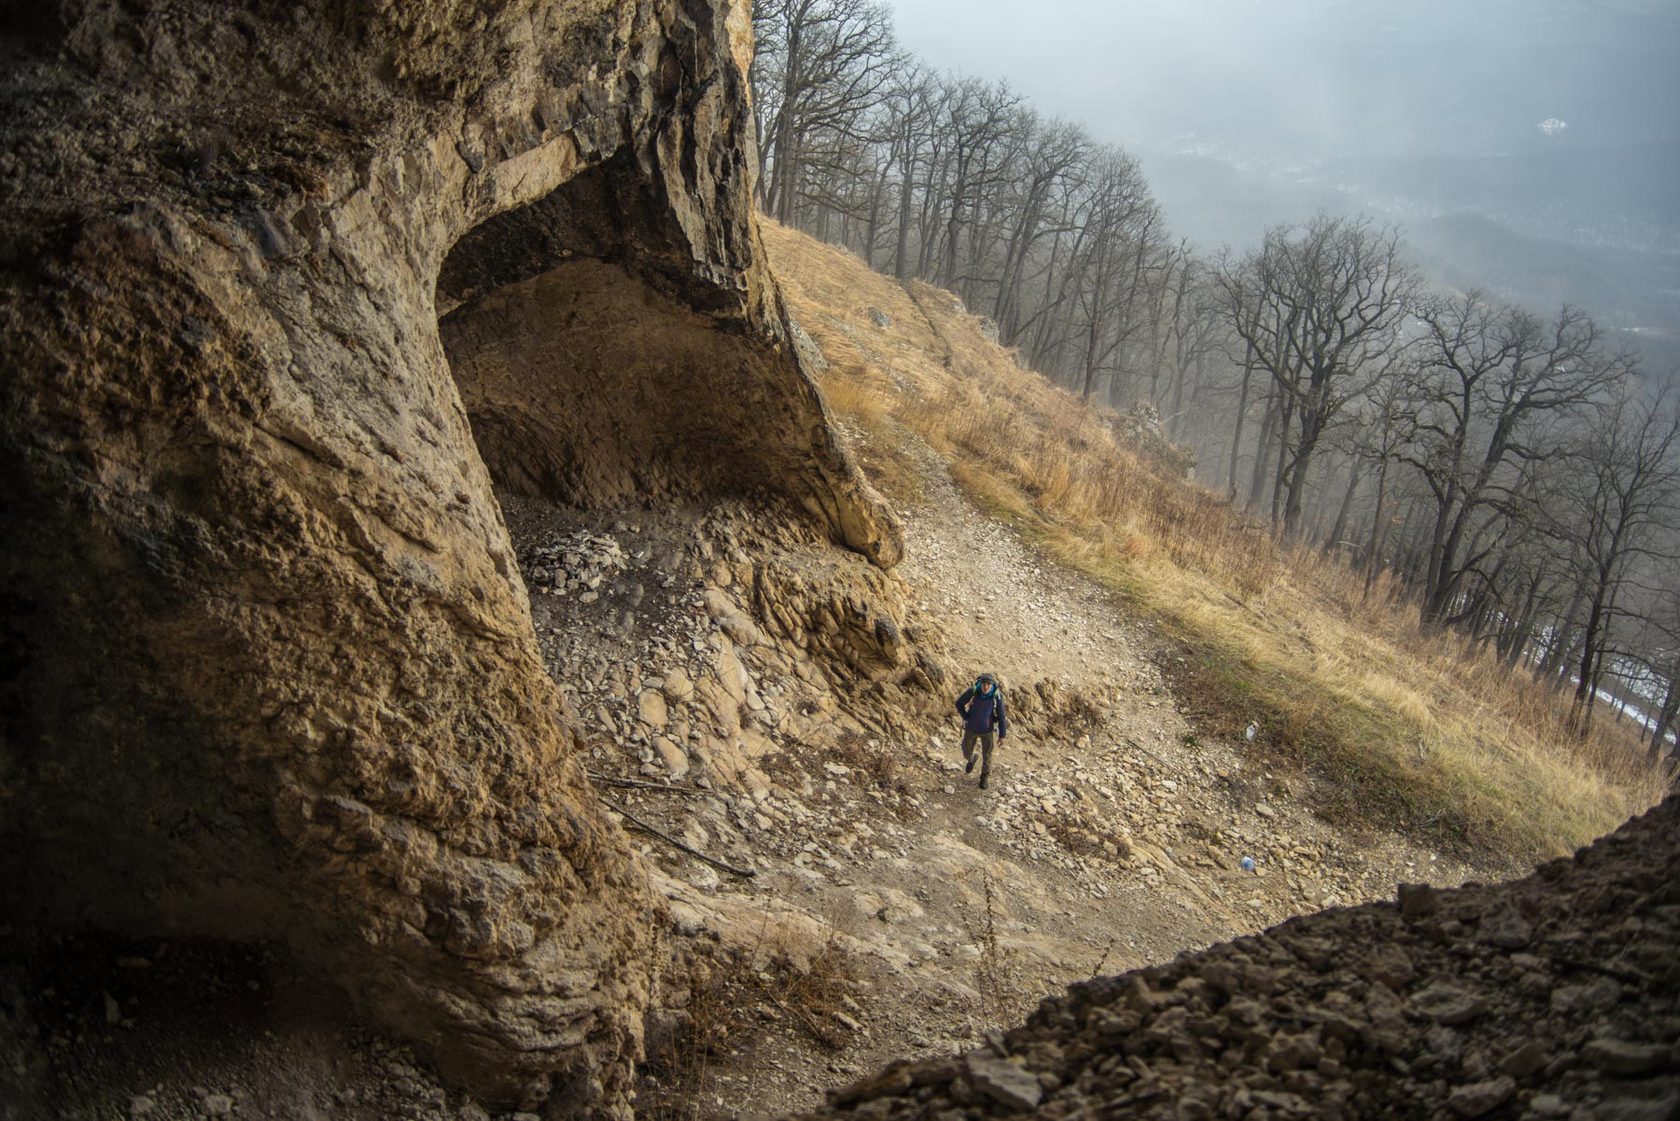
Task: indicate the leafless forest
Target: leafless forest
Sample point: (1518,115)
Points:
(1514,468)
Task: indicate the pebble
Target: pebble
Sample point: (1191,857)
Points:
(1003,1082)
(1479,1098)
(1613,1056)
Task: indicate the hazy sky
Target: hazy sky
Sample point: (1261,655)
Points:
(1306,77)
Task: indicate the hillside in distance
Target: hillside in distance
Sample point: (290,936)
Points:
(1541,225)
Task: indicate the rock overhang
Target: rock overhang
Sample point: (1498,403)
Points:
(269,667)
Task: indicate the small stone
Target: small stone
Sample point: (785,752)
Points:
(1264,810)
(1479,1098)
(1613,1056)
(675,760)
(1445,1044)
(217,1105)
(678,686)
(1595,996)
(1529,1059)
(1008,1085)
(1508,930)
(113,1011)
(1389,964)
(896,1079)
(1417,900)
(1664,1108)
(1448,1004)
(651,707)
(141,1105)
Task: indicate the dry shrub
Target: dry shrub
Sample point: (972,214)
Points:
(1085,836)
(871,762)
(713,1015)
(995,966)
(732,997)
(867,404)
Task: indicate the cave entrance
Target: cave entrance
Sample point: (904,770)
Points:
(588,375)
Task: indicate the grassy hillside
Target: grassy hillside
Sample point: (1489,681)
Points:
(1403,730)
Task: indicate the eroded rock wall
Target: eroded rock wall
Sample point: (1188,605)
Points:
(266,665)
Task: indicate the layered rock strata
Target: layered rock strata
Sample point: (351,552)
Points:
(266,664)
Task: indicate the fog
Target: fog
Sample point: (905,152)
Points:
(1318,77)
(1531,147)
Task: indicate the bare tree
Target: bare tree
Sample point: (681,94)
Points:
(1053,155)
(1107,269)
(821,68)
(1490,379)
(1628,491)
(1662,640)
(1322,305)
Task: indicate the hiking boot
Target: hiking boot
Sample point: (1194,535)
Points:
(982,781)
(968,770)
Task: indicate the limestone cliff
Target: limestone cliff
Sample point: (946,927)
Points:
(266,665)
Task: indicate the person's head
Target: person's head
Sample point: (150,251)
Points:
(985,683)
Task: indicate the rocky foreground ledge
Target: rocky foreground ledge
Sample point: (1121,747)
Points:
(1553,996)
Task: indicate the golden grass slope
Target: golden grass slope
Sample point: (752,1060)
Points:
(1403,729)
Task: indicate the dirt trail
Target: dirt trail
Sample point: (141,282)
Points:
(1101,849)
(998,604)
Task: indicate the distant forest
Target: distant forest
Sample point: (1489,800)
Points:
(1511,467)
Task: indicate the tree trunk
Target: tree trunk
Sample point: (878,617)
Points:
(1379,529)
(1242,416)
(1262,450)
(906,194)
(1524,626)
(1340,527)
(1666,714)
(1286,413)
(873,230)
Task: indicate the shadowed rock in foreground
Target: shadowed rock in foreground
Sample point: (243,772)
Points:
(267,668)
(1553,996)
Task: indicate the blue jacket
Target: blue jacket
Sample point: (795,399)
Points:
(981,712)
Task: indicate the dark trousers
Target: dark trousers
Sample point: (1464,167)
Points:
(986,740)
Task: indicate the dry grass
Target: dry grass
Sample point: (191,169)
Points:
(873,764)
(734,997)
(996,967)
(1407,730)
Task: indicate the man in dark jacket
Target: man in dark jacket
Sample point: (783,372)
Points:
(981,707)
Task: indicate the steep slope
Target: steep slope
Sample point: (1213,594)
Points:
(1402,728)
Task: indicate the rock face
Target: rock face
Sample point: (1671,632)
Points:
(1553,996)
(266,664)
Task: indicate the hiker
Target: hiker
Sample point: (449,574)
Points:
(981,707)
